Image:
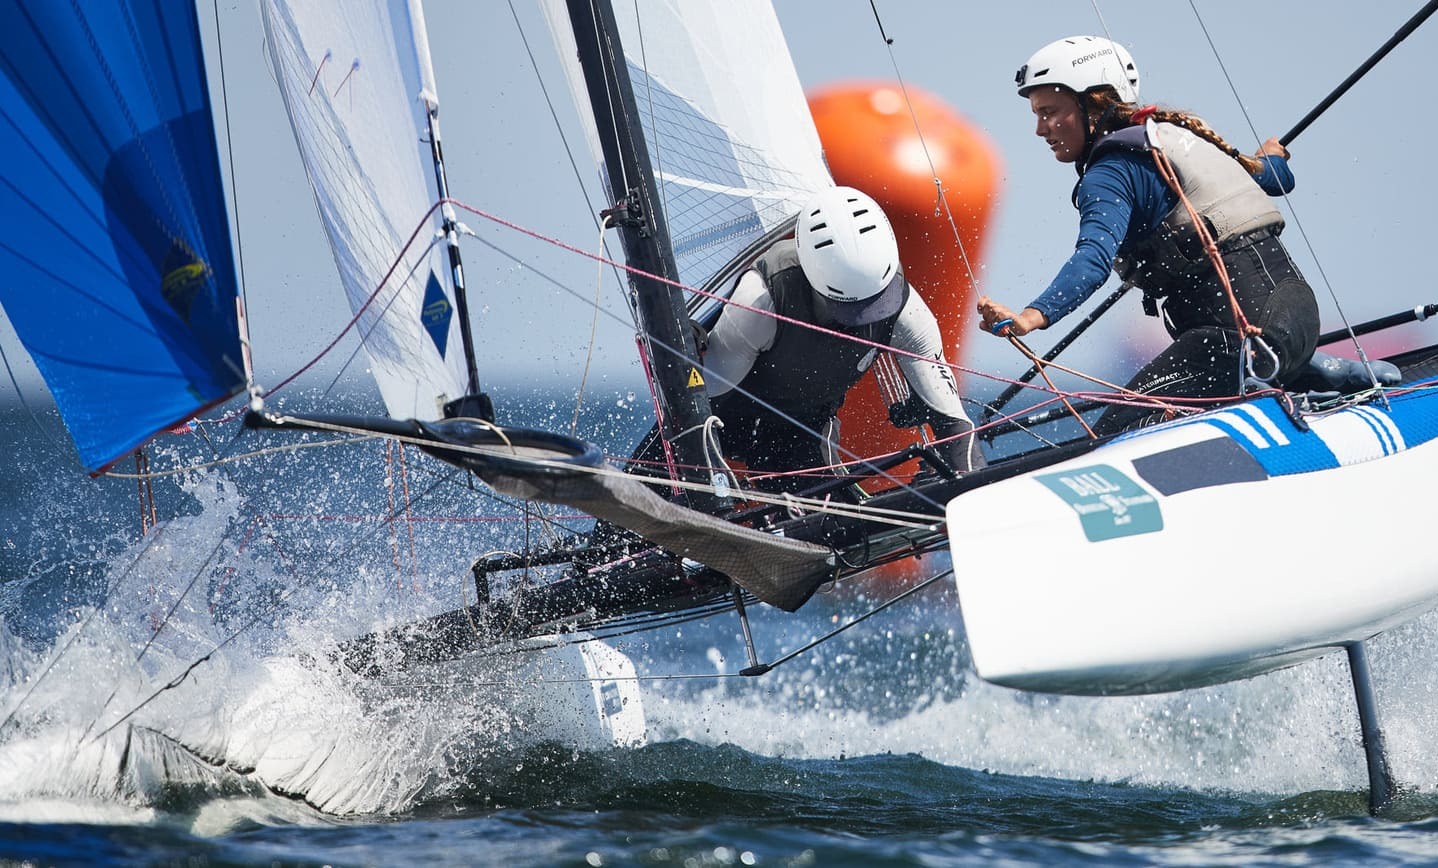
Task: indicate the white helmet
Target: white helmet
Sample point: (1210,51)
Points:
(1081,63)
(849,254)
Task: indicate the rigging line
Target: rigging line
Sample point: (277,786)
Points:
(534,682)
(1103,25)
(230,157)
(155,634)
(621,625)
(767,667)
(178,680)
(55,442)
(663,190)
(706,294)
(266,607)
(606,50)
(943,201)
(593,329)
(1297,222)
(1032,357)
(384,281)
(360,438)
(848,453)
(396,292)
(554,115)
(917,520)
(565,288)
(75,635)
(233,459)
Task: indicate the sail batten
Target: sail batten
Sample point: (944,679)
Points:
(119,277)
(356,86)
(726,124)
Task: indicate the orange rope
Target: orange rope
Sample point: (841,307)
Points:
(1210,246)
(1043,372)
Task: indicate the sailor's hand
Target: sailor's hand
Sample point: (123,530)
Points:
(999,319)
(1272,148)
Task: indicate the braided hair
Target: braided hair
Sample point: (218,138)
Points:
(1111,114)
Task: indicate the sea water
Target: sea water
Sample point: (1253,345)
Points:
(166,698)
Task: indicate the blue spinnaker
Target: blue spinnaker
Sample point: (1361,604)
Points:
(115,262)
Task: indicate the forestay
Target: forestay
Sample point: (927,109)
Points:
(354,80)
(729,133)
(114,241)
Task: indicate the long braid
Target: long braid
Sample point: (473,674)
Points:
(1105,100)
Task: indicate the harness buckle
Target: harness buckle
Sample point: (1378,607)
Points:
(1250,349)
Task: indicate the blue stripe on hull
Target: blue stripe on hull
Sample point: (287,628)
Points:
(1266,431)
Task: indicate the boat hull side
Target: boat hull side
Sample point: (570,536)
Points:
(1198,552)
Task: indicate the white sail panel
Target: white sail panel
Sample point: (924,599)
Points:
(729,133)
(351,81)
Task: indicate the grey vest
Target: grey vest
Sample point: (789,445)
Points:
(807,373)
(1221,191)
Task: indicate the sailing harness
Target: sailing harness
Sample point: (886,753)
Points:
(1252,335)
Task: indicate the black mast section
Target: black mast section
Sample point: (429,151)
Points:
(474,402)
(659,308)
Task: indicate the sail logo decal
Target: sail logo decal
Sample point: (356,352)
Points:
(436,313)
(1108,503)
(611,703)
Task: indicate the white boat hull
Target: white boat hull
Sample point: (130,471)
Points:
(569,689)
(1199,552)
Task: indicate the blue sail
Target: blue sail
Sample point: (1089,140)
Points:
(115,263)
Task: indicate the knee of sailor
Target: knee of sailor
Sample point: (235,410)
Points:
(1290,322)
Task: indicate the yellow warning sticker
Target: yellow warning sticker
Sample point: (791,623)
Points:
(694,379)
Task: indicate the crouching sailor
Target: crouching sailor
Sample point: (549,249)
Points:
(774,382)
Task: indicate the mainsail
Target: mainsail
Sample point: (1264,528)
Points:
(728,130)
(114,239)
(354,84)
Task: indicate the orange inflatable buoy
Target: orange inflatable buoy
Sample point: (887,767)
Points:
(893,148)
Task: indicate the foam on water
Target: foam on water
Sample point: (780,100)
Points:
(159,692)
(199,684)
(1295,730)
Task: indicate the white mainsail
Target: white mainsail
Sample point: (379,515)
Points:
(352,75)
(730,137)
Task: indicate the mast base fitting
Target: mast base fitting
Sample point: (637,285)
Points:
(470,407)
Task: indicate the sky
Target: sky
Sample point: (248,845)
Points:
(1359,220)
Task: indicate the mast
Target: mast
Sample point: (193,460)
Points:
(659,310)
(474,402)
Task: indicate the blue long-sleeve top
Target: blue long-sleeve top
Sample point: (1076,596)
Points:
(1121,198)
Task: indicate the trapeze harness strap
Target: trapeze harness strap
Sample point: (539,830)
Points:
(806,372)
(1220,208)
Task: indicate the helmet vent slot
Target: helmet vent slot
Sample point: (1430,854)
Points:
(827,242)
